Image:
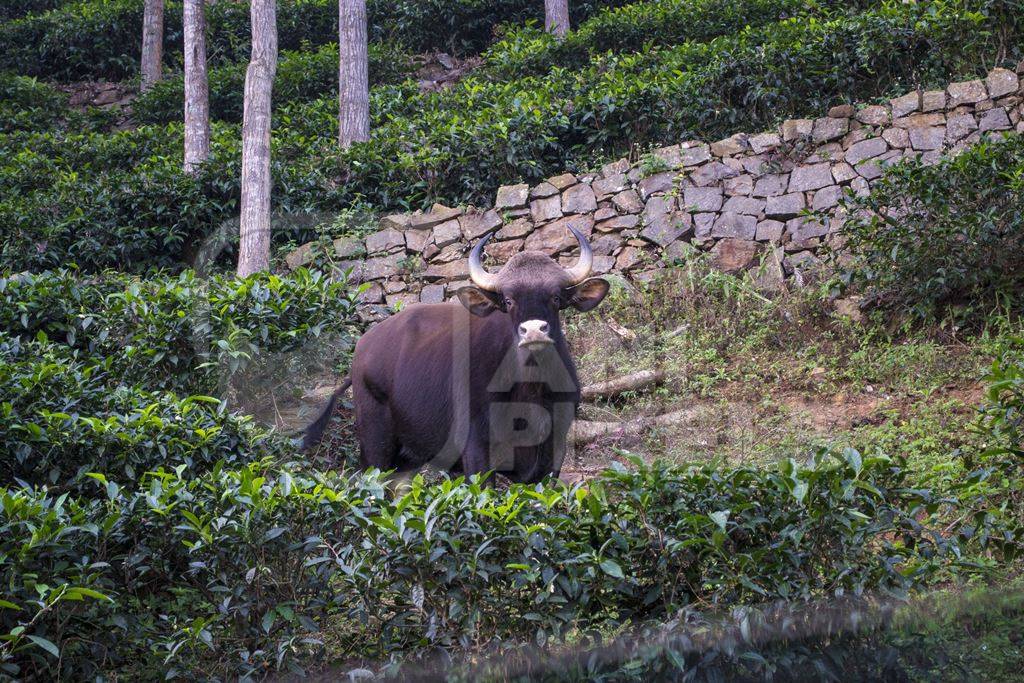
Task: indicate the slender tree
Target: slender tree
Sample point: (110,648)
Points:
(556,17)
(254,223)
(353,73)
(152,42)
(197,90)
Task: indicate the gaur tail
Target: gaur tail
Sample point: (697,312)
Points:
(315,432)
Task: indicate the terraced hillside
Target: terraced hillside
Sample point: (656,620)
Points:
(118,199)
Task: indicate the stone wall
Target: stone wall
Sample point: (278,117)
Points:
(744,198)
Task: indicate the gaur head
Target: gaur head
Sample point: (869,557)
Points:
(532,288)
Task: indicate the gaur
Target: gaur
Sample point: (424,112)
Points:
(483,384)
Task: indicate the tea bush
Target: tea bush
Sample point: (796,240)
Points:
(180,574)
(140,210)
(92,39)
(634,28)
(181,332)
(301,76)
(63,417)
(26,104)
(15,9)
(82,40)
(944,635)
(246,569)
(943,241)
(992,489)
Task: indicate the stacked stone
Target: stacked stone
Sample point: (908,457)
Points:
(744,198)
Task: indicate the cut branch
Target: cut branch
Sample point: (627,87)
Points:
(585,432)
(611,387)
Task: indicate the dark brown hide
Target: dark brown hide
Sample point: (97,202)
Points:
(421,384)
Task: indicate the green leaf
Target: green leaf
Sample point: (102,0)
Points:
(612,568)
(720,518)
(46,645)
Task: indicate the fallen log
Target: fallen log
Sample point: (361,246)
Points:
(584,431)
(611,387)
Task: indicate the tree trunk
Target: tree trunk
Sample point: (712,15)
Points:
(353,73)
(152,43)
(556,17)
(197,91)
(254,223)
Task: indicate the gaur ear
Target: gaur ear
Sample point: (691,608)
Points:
(479,301)
(587,295)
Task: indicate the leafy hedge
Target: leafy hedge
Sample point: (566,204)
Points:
(182,333)
(945,240)
(234,571)
(994,484)
(63,417)
(103,38)
(461,26)
(459,145)
(82,40)
(301,76)
(637,27)
(15,9)
(26,104)
(117,200)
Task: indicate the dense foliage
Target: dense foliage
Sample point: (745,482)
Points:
(301,76)
(64,417)
(946,635)
(92,393)
(260,556)
(27,104)
(460,144)
(179,333)
(15,9)
(102,38)
(634,28)
(944,241)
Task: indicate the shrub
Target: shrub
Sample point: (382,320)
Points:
(26,104)
(141,210)
(64,417)
(103,38)
(461,26)
(943,241)
(992,490)
(15,9)
(945,635)
(301,76)
(260,560)
(634,28)
(183,333)
(206,577)
(80,40)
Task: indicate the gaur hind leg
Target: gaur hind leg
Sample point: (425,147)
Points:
(378,443)
(379,446)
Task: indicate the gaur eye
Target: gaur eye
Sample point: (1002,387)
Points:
(508,302)
(556,300)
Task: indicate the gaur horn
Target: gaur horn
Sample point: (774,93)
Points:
(581,270)
(477,273)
